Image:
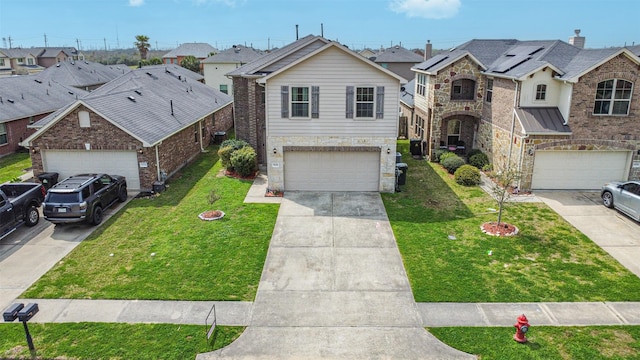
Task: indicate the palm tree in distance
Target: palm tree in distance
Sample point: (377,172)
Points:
(142,43)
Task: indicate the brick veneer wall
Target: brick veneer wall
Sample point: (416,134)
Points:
(16,132)
(250,114)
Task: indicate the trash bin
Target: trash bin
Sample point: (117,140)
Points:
(219,137)
(415,147)
(398,157)
(402,173)
(48,179)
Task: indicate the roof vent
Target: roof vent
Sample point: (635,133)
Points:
(150,74)
(58,65)
(131,98)
(138,92)
(38,81)
(10,100)
(70,92)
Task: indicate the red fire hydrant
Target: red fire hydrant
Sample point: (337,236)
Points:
(522,326)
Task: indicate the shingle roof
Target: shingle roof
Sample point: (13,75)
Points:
(396,54)
(151,104)
(406,96)
(23,96)
(82,73)
(542,120)
(176,70)
(278,58)
(199,50)
(237,54)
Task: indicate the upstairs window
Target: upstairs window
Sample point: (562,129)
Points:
(613,97)
(299,102)
(3,134)
(421,84)
(2,62)
(541,92)
(463,89)
(489,94)
(224,88)
(364,102)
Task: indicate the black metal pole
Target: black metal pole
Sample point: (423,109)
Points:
(29,340)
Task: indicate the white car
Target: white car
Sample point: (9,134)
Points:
(623,196)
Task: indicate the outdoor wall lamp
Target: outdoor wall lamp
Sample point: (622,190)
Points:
(388,151)
(140,151)
(530,151)
(275,151)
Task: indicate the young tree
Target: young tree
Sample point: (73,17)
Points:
(142,43)
(503,188)
(191,62)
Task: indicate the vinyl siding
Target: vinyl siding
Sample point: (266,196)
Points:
(333,71)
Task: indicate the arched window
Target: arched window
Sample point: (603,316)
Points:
(613,97)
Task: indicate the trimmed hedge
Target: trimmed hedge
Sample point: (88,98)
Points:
(452,163)
(244,161)
(227,148)
(479,160)
(437,154)
(467,175)
(447,155)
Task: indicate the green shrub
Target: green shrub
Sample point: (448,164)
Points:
(244,161)
(467,175)
(473,152)
(234,143)
(225,156)
(447,154)
(437,154)
(452,163)
(479,160)
(487,168)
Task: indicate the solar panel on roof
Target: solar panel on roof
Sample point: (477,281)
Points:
(511,63)
(436,61)
(524,50)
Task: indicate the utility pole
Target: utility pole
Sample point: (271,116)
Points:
(9,42)
(156,45)
(78,43)
(45,41)
(105,44)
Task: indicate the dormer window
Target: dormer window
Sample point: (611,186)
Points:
(613,97)
(541,92)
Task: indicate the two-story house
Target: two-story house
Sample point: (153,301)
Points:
(564,117)
(397,59)
(217,66)
(200,51)
(321,116)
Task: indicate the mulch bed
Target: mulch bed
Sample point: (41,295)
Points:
(504,229)
(234,174)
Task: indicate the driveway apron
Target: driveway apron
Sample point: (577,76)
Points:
(334,286)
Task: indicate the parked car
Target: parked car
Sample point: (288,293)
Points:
(83,198)
(19,203)
(623,196)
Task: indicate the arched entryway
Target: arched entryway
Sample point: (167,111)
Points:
(458,133)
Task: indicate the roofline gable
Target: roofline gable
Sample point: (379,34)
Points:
(628,53)
(336,45)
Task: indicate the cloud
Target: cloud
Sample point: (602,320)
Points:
(430,9)
(136,2)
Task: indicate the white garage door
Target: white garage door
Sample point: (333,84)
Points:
(585,170)
(67,163)
(332,171)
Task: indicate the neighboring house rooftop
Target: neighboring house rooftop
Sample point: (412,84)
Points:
(237,54)
(516,59)
(198,50)
(25,96)
(396,54)
(82,73)
(177,71)
(406,95)
(149,104)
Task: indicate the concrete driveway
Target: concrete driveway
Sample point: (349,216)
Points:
(612,230)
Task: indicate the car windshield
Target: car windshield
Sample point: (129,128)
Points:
(54,197)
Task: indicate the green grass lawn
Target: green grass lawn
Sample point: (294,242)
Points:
(112,341)
(545,342)
(14,165)
(548,261)
(162,250)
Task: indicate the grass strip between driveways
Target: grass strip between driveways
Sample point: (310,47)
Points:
(436,223)
(545,342)
(14,165)
(158,248)
(112,341)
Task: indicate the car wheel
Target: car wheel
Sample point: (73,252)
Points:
(122,195)
(32,216)
(607,199)
(96,218)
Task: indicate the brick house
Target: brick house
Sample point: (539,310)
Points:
(328,117)
(200,51)
(397,59)
(565,117)
(25,100)
(145,125)
(217,66)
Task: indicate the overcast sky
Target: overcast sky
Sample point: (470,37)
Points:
(94,24)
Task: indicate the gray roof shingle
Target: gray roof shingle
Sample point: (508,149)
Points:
(176,70)
(406,96)
(151,104)
(396,54)
(82,73)
(237,54)
(199,50)
(25,96)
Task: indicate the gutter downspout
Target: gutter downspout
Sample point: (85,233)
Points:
(158,162)
(200,136)
(513,124)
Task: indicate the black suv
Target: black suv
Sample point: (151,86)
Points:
(83,198)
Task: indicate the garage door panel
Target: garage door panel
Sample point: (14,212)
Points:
(332,171)
(580,170)
(68,163)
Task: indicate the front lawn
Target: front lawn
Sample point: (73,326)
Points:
(14,165)
(545,342)
(158,248)
(437,226)
(112,341)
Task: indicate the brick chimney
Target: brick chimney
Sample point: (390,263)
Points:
(577,41)
(428,50)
